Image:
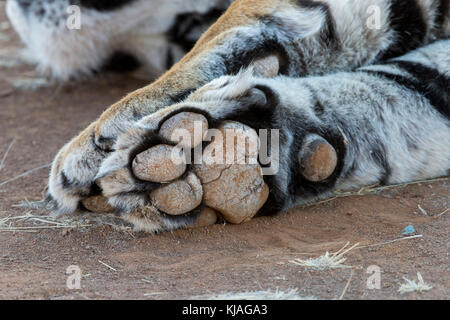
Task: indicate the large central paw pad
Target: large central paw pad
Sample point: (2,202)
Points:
(232,179)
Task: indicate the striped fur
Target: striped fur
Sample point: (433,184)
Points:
(156,34)
(309,37)
(389,123)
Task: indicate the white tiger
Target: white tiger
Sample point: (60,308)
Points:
(403,103)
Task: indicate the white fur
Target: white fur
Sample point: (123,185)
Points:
(138,28)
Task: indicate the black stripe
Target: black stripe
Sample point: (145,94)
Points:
(378,155)
(407,20)
(66,183)
(256,48)
(186,25)
(426,81)
(180,96)
(267,42)
(121,62)
(101,5)
(170,59)
(317,106)
(442,13)
(186,218)
(82,190)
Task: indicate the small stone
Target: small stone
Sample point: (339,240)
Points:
(409,230)
(195,126)
(162,163)
(97,204)
(178,197)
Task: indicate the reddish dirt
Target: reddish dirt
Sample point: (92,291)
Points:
(186,263)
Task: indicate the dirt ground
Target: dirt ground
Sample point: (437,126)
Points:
(188,263)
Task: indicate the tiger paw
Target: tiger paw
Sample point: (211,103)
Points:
(187,168)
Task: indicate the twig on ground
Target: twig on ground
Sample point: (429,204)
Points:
(422,210)
(327,261)
(43,227)
(370,190)
(442,213)
(336,259)
(24,174)
(12,230)
(411,285)
(153,294)
(6,224)
(43,204)
(2,163)
(391,241)
(346,286)
(108,266)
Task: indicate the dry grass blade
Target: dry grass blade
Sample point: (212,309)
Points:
(12,230)
(24,174)
(9,224)
(371,190)
(391,241)
(444,212)
(106,265)
(2,163)
(347,285)
(422,210)
(153,294)
(42,227)
(327,261)
(44,204)
(412,285)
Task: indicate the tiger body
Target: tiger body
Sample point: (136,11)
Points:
(313,39)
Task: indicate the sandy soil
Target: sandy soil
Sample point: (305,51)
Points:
(186,263)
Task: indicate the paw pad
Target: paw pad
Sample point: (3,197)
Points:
(318,158)
(267,67)
(161,163)
(178,197)
(185,124)
(97,204)
(207,217)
